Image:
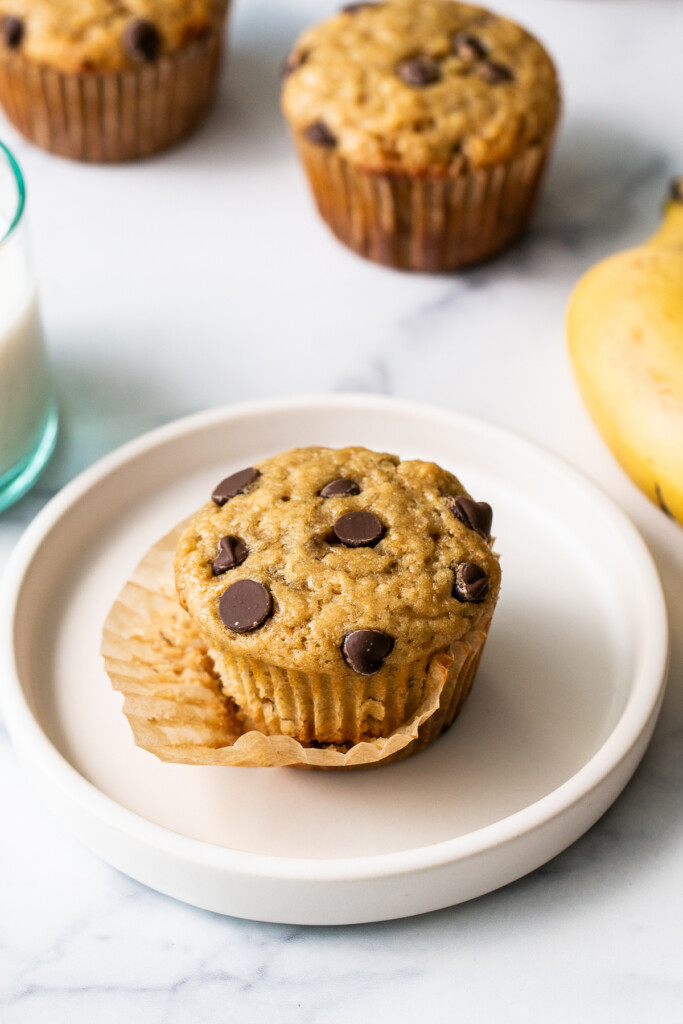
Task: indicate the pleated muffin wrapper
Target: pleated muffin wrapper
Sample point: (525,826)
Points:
(178,709)
(112,116)
(430,222)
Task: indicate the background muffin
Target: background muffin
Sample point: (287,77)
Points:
(423,126)
(102,81)
(326,581)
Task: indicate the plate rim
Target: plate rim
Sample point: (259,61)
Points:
(638,715)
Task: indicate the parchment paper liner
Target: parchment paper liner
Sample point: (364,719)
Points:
(430,222)
(112,116)
(176,708)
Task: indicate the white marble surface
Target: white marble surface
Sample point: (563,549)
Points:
(204,277)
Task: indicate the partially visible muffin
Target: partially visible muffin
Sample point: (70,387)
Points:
(423,126)
(326,581)
(105,80)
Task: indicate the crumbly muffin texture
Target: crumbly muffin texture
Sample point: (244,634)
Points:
(278,531)
(103,35)
(420,85)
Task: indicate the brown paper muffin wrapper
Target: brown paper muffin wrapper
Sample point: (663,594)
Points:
(112,116)
(177,708)
(432,222)
(315,707)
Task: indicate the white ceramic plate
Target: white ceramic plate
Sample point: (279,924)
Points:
(564,703)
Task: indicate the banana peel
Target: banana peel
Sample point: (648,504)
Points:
(625,334)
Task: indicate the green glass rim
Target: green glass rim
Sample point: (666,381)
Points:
(21,191)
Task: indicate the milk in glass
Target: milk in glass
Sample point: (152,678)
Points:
(27,415)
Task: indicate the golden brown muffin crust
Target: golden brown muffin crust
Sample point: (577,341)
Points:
(421,85)
(322,590)
(95,35)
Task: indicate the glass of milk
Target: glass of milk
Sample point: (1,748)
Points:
(28,415)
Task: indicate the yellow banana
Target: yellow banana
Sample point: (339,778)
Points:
(625,331)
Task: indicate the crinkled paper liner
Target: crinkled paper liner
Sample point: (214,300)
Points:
(177,710)
(112,116)
(431,222)
(316,706)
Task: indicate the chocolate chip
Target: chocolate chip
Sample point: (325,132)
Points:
(364,650)
(320,135)
(478,515)
(456,158)
(358,530)
(235,484)
(418,71)
(12,31)
(467,47)
(231,552)
(293,63)
(494,74)
(341,488)
(471,582)
(142,40)
(245,606)
(354,8)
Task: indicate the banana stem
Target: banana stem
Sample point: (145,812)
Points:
(670,232)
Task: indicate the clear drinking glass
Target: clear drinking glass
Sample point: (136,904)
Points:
(28,414)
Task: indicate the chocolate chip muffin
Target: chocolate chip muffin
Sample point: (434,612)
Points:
(325,583)
(423,126)
(108,80)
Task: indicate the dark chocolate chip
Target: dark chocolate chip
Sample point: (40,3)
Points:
(231,552)
(467,47)
(235,484)
(341,488)
(494,74)
(142,40)
(360,6)
(478,515)
(418,71)
(320,135)
(364,650)
(471,582)
(457,157)
(12,31)
(293,63)
(358,530)
(245,606)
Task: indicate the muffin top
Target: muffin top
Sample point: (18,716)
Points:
(420,85)
(103,35)
(330,560)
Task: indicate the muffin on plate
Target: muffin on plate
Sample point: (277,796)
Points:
(102,80)
(424,127)
(326,583)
